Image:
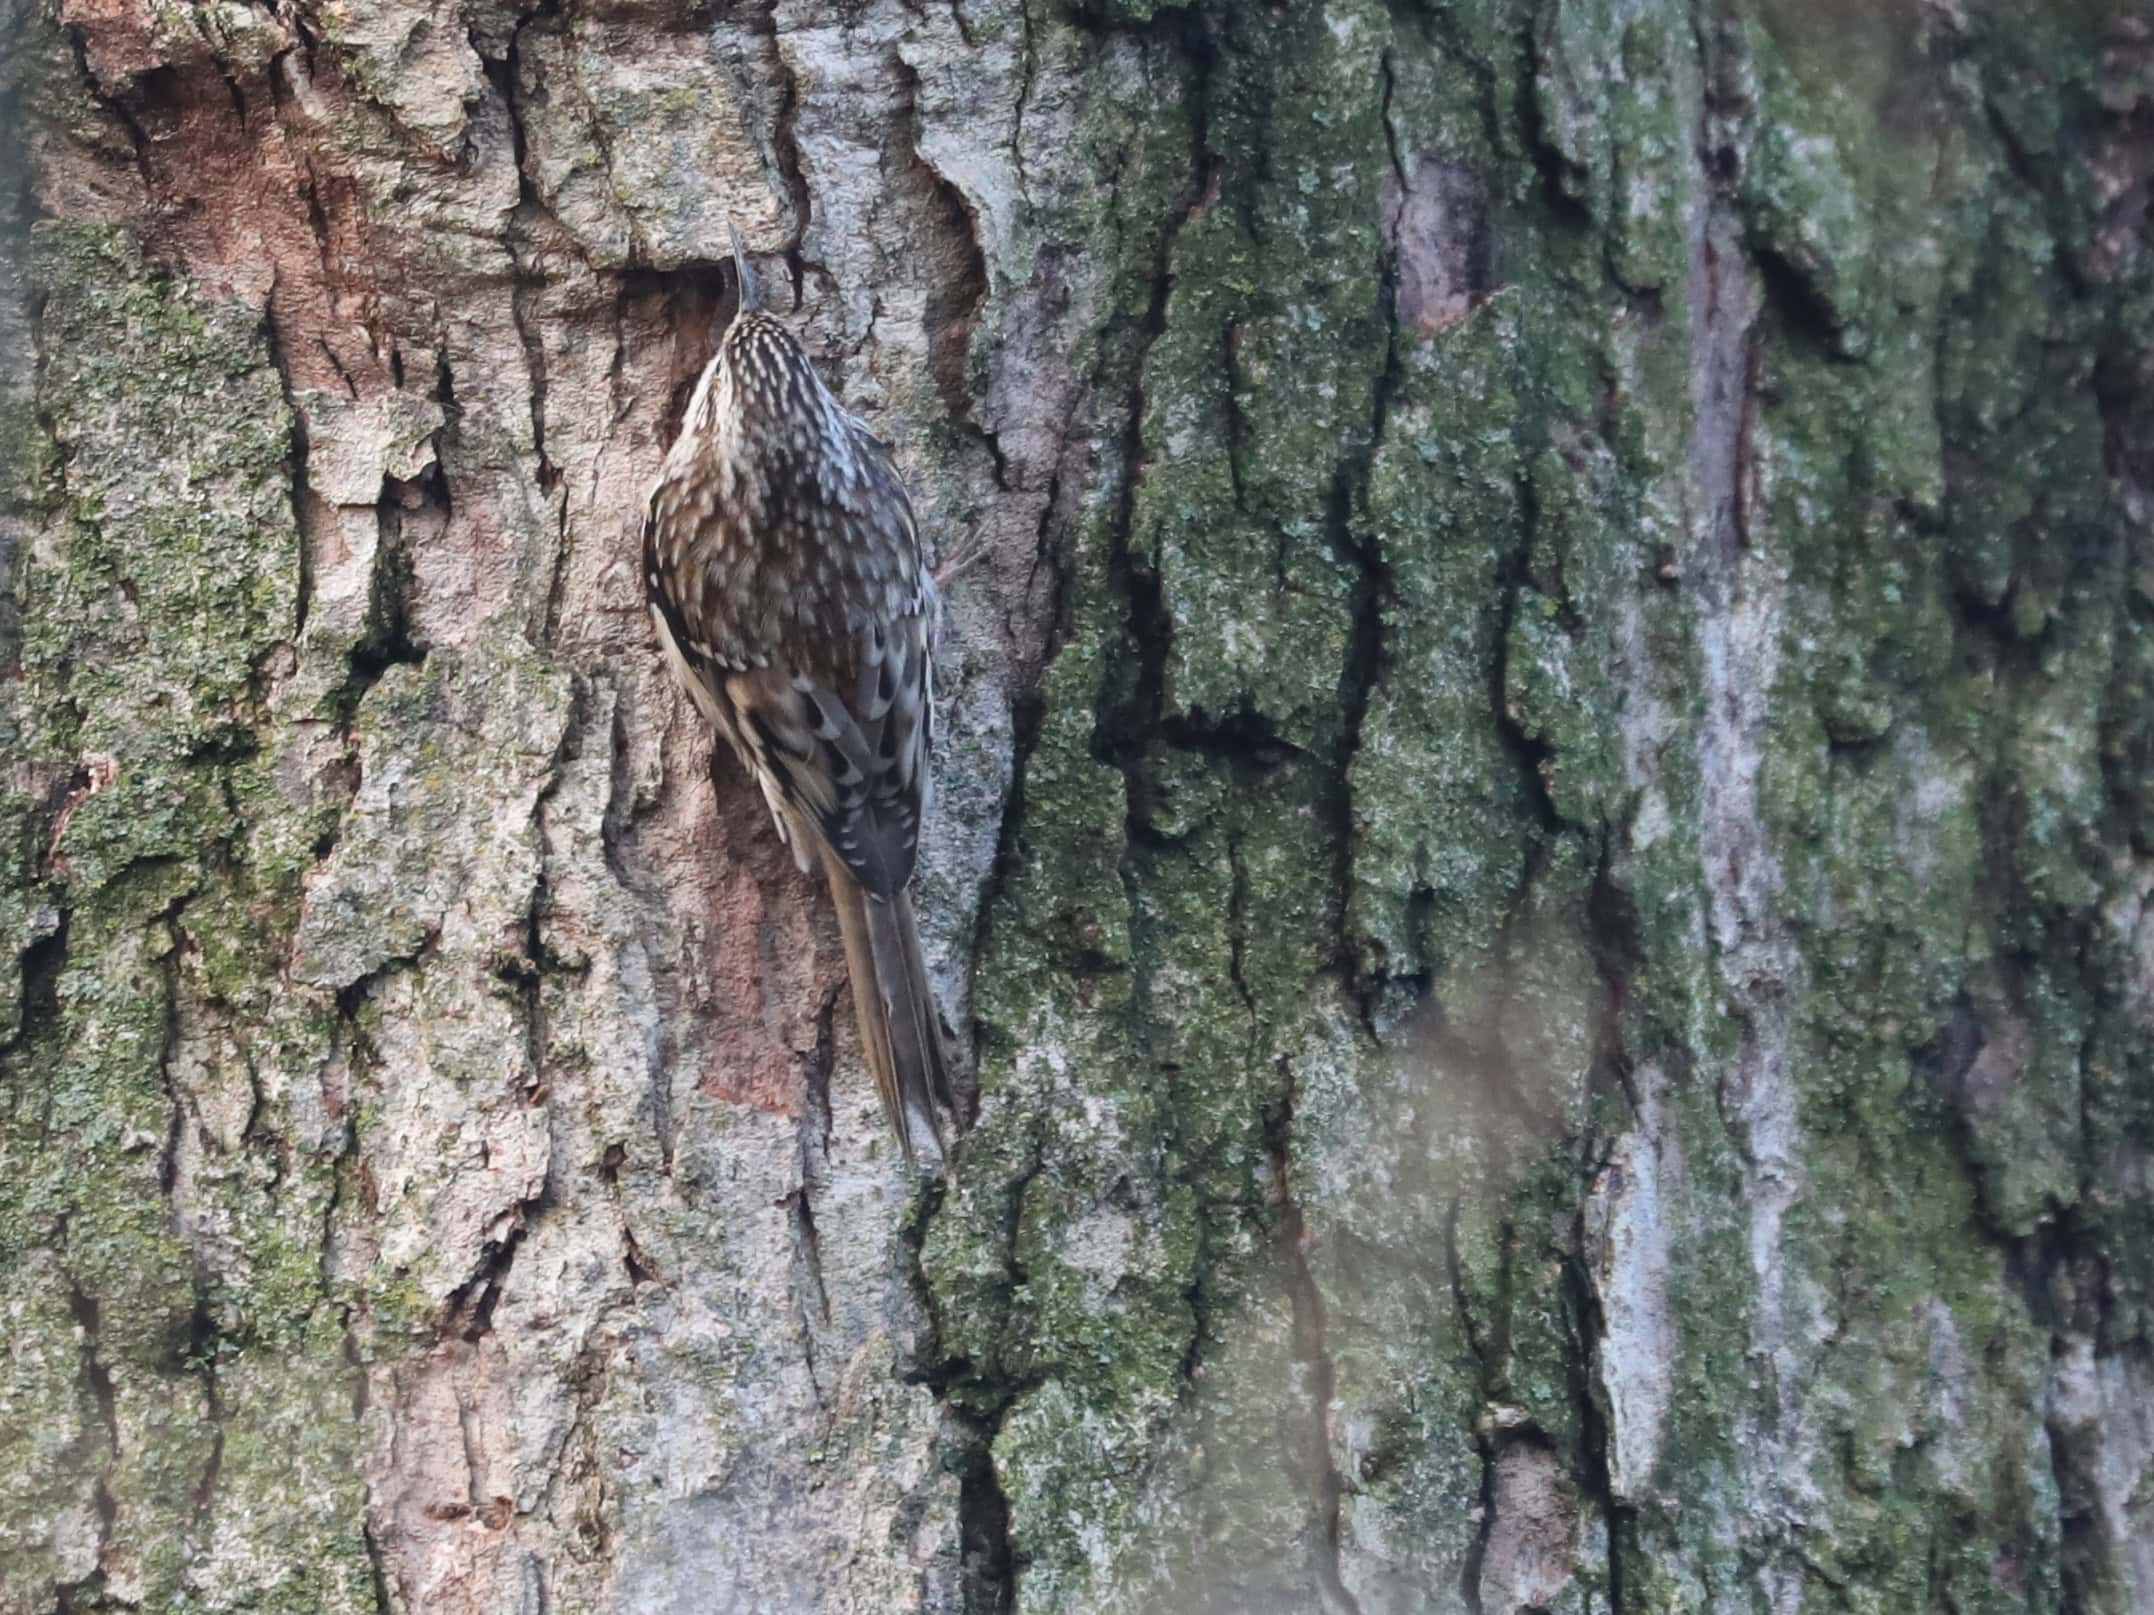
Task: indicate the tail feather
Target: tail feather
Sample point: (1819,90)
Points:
(935,1061)
(900,1032)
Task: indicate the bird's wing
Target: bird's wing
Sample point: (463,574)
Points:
(830,700)
(845,722)
(699,667)
(853,765)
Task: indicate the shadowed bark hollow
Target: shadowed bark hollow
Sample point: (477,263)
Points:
(1543,849)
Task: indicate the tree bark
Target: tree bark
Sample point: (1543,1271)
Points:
(1542,849)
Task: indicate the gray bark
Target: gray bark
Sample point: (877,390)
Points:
(1542,847)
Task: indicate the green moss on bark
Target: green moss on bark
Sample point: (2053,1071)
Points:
(186,1459)
(1492,651)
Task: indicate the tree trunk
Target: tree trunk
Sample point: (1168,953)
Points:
(1543,843)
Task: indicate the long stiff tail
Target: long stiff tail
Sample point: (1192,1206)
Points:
(899,1028)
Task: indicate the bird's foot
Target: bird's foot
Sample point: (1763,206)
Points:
(966,557)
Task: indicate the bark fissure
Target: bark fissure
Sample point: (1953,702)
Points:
(1327,1487)
(1739,628)
(1363,668)
(202,1351)
(954,267)
(169,1043)
(302,507)
(112,105)
(527,276)
(790,167)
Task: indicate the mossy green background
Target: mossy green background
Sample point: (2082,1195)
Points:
(1383,701)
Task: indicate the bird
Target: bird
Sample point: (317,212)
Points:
(789,597)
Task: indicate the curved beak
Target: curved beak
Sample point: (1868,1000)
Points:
(751,290)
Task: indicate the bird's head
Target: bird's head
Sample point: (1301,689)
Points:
(768,379)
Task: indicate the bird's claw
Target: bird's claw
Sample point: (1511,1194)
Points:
(967,557)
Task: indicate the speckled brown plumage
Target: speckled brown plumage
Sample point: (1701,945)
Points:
(788,593)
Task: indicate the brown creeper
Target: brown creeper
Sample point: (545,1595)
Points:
(787,590)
